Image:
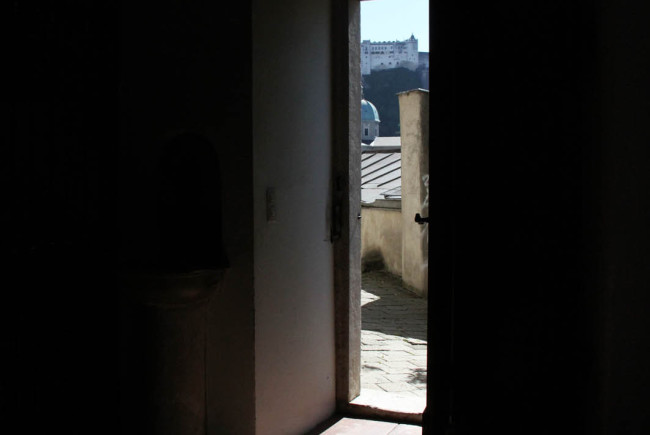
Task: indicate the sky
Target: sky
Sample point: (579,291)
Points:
(390,20)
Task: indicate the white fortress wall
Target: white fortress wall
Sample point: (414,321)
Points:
(389,54)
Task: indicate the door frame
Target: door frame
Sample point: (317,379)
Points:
(346,208)
(439,411)
(346,197)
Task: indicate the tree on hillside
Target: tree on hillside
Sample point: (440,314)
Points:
(381,89)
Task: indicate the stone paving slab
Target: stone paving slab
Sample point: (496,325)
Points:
(354,426)
(393,337)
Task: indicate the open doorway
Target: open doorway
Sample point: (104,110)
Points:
(383,352)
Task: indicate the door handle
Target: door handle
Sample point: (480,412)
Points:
(420,220)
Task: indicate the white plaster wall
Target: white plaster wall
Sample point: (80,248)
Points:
(294,294)
(373,130)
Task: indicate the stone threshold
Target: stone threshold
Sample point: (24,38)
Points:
(388,406)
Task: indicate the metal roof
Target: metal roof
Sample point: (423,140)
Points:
(381,175)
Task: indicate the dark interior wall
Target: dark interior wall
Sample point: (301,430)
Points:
(95,90)
(179,70)
(624,206)
(58,321)
(186,66)
(549,126)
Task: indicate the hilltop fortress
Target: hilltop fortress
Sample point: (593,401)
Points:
(393,54)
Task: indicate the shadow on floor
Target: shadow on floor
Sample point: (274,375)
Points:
(389,308)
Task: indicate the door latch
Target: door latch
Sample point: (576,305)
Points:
(420,220)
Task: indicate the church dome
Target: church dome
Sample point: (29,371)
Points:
(369,111)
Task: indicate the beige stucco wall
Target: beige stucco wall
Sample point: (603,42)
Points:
(414,121)
(381,237)
(390,237)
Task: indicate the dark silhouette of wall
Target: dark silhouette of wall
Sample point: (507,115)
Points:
(96,92)
(550,208)
(549,197)
(174,105)
(58,325)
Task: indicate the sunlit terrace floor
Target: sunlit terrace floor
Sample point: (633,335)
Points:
(393,345)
